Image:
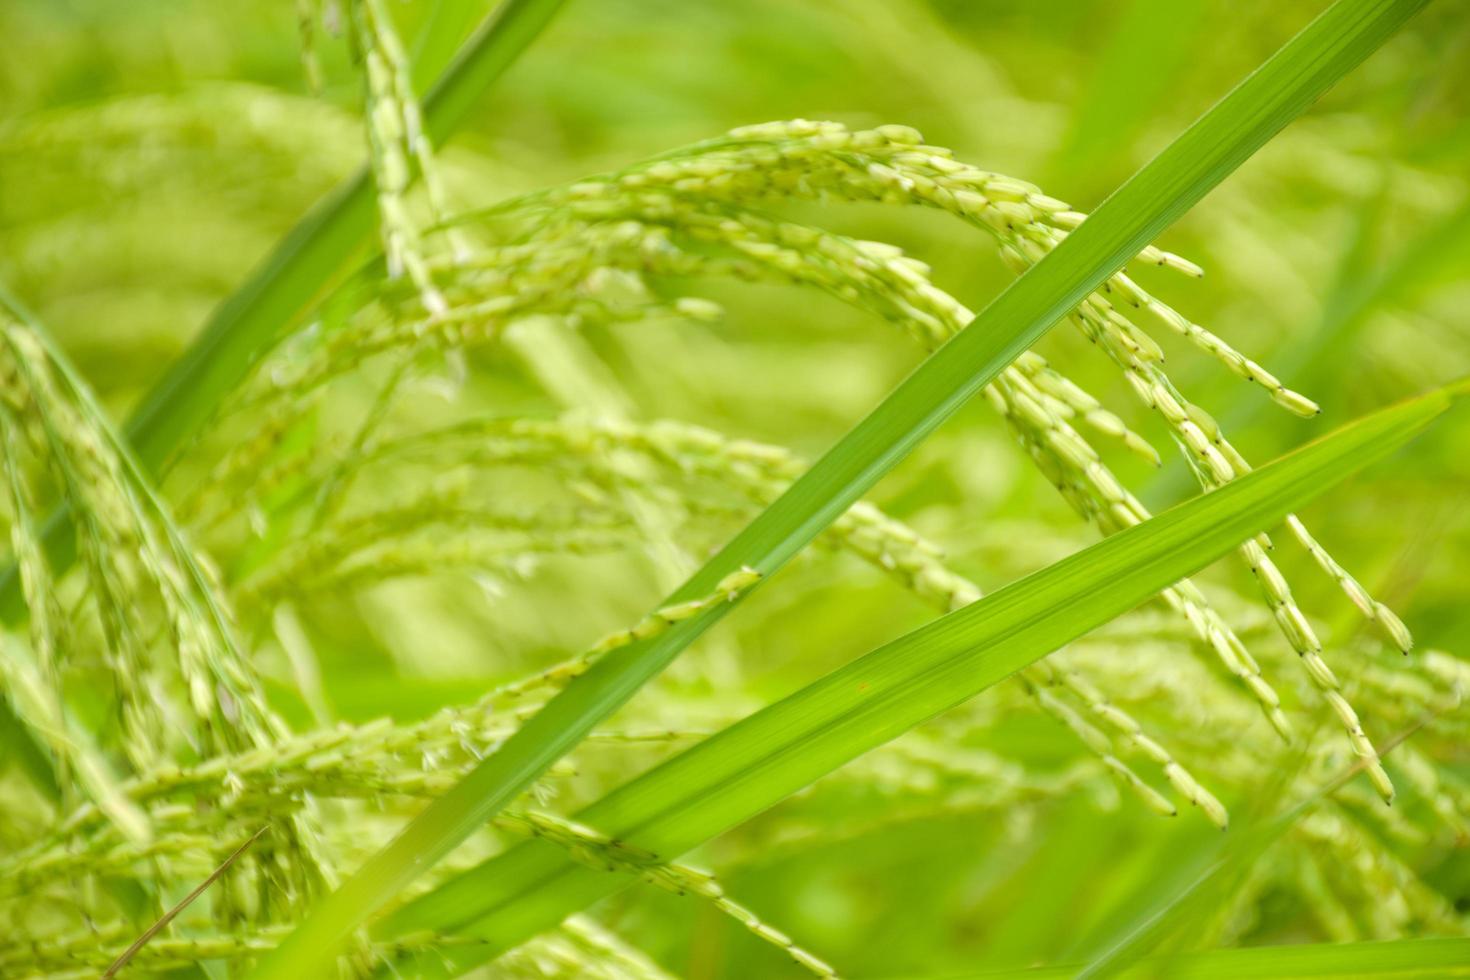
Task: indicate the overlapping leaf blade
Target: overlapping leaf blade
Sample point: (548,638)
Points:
(1134,215)
(754,764)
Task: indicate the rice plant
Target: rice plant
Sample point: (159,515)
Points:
(347,634)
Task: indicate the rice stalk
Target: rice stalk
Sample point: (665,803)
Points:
(294,514)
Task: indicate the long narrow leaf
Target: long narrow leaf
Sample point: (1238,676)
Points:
(313,256)
(1133,216)
(759,761)
(1219,873)
(319,250)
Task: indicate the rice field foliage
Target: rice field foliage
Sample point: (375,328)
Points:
(307,518)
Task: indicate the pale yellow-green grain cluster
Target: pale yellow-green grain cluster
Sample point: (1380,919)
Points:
(292,509)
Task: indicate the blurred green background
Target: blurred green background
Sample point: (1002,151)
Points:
(152,152)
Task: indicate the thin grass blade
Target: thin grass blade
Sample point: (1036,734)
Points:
(321,249)
(318,253)
(1132,217)
(754,764)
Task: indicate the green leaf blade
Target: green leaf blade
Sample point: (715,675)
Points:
(754,764)
(1132,217)
(322,247)
(315,255)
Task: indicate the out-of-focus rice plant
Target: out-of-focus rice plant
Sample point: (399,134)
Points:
(556,381)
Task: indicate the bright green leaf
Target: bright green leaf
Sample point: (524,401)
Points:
(756,763)
(1133,216)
